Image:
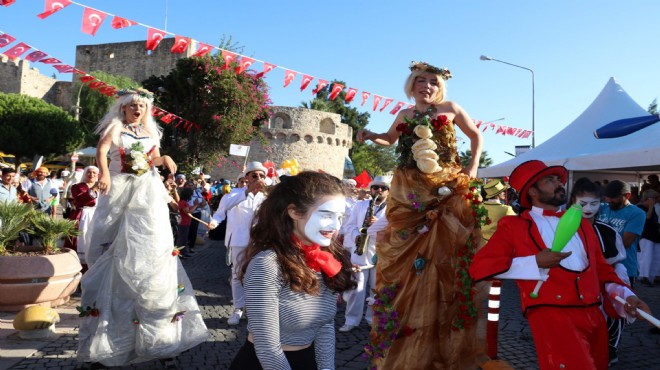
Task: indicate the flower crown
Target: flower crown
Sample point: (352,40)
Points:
(137,91)
(423,66)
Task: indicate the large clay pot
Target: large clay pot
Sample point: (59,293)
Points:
(46,280)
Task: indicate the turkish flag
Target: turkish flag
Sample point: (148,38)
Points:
(6,39)
(78,71)
(63,68)
(108,90)
(306,79)
(377,99)
(500,130)
(7,2)
(510,130)
(244,64)
(525,134)
(119,22)
(387,102)
(365,96)
(154,37)
(180,44)
(53,6)
(336,89)
(167,118)
(87,78)
(350,94)
(35,56)
(229,58)
(51,61)
(397,107)
(92,20)
(97,85)
(320,86)
(203,49)
(289,76)
(17,50)
(267,68)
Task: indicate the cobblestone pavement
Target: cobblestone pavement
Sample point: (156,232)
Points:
(210,276)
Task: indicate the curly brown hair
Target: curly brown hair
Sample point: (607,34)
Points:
(274,228)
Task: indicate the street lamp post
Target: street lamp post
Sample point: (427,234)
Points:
(484,57)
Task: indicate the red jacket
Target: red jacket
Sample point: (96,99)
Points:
(518,236)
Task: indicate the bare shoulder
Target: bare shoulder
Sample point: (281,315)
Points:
(450,106)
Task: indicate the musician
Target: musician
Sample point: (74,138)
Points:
(364,213)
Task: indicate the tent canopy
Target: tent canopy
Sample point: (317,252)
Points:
(90,151)
(576,148)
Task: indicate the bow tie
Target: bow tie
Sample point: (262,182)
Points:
(547,212)
(317,259)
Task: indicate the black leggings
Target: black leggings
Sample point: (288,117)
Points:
(246,358)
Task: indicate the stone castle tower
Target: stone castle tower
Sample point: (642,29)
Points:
(17,77)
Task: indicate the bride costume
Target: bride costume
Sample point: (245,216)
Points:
(137,301)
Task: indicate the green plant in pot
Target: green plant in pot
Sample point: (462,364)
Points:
(14,218)
(51,230)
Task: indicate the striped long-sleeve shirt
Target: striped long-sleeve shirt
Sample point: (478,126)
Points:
(277,315)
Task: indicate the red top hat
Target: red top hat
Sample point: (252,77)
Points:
(528,173)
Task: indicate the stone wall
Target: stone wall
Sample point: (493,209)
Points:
(18,77)
(317,140)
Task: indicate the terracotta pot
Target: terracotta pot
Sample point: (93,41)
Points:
(38,280)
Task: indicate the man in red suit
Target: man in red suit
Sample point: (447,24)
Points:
(567,323)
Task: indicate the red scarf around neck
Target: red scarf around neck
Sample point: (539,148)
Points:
(317,259)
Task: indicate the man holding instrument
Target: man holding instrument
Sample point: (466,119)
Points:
(567,324)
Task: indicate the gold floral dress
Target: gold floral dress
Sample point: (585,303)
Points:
(424,313)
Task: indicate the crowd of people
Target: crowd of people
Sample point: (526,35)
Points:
(411,254)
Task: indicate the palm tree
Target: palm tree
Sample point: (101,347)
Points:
(484,161)
(14,218)
(51,230)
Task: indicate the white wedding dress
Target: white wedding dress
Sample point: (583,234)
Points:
(145,304)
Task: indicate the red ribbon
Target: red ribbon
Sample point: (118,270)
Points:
(317,259)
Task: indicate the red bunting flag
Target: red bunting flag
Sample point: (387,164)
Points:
(87,78)
(350,94)
(154,37)
(35,56)
(336,89)
(377,99)
(78,71)
(387,102)
(500,130)
(397,107)
(51,61)
(365,96)
(7,2)
(320,86)
(306,79)
(167,118)
(288,77)
(157,112)
(510,130)
(267,68)
(6,39)
(180,44)
(17,50)
(63,68)
(92,20)
(229,58)
(53,6)
(97,85)
(244,64)
(203,49)
(119,22)
(525,134)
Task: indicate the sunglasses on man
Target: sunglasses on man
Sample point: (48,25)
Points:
(258,176)
(381,187)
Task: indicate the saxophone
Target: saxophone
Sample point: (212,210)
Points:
(362,239)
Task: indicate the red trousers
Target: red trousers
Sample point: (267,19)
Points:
(569,338)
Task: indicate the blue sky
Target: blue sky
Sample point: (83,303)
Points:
(574,47)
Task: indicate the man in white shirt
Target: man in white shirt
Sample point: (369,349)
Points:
(239,208)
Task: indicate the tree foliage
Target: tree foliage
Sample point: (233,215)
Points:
(653,107)
(30,126)
(93,105)
(226,107)
(376,159)
(484,161)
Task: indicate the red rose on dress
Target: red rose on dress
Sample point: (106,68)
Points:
(439,122)
(401,127)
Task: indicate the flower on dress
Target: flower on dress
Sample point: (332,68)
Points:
(88,311)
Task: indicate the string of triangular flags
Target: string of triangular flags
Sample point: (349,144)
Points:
(92,82)
(92,19)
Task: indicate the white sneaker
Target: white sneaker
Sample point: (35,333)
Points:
(235,317)
(347,328)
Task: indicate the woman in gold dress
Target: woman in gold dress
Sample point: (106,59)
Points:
(425,310)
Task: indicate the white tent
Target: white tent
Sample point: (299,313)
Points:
(576,148)
(90,151)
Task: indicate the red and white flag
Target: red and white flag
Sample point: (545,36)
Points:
(17,50)
(180,44)
(244,64)
(119,22)
(320,86)
(87,78)
(525,134)
(336,89)
(154,37)
(387,102)
(92,20)
(53,6)
(397,107)
(306,79)
(350,94)
(63,68)
(229,58)
(500,130)
(267,68)
(365,96)
(289,76)
(7,2)
(97,85)
(202,49)
(377,99)
(35,56)
(167,118)
(6,39)
(50,61)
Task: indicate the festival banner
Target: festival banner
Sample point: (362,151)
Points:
(289,75)
(306,79)
(180,44)
(7,2)
(6,39)
(350,94)
(92,20)
(17,50)
(336,89)
(244,64)
(53,6)
(35,56)
(320,86)
(202,49)
(50,61)
(387,102)
(365,96)
(154,37)
(119,22)
(377,99)
(229,58)
(267,68)
(397,107)
(239,150)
